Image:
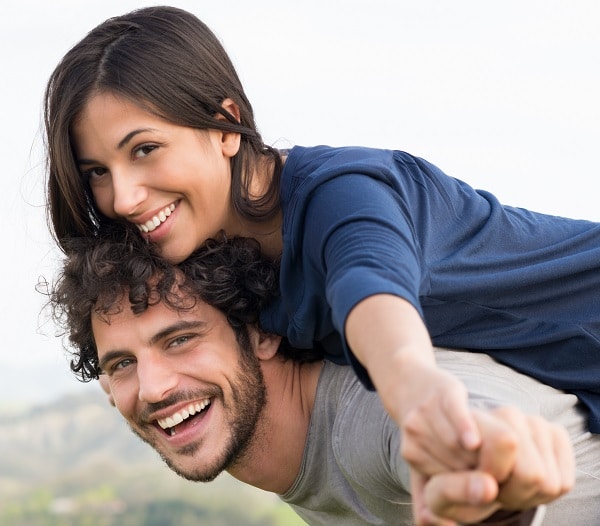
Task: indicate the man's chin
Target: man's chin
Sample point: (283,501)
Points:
(191,473)
(184,463)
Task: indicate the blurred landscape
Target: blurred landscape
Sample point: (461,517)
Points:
(74,462)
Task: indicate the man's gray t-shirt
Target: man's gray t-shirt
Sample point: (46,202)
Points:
(341,481)
(354,474)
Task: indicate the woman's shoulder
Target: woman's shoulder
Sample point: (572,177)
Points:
(306,156)
(314,165)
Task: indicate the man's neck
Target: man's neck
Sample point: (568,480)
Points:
(274,457)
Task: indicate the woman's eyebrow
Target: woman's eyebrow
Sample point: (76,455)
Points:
(121,144)
(131,135)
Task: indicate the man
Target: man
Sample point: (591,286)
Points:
(192,373)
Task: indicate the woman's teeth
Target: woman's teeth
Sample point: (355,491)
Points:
(157,220)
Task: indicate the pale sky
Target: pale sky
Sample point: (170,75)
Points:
(501,94)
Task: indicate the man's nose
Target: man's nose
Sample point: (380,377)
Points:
(156,379)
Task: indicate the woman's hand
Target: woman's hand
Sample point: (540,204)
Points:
(524,462)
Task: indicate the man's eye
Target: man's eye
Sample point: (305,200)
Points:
(180,340)
(123,364)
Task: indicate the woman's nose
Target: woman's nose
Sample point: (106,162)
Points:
(129,193)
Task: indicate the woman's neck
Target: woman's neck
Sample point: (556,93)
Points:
(267,233)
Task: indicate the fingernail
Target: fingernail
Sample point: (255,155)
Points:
(470,440)
(476,489)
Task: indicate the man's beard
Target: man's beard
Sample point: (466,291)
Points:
(249,398)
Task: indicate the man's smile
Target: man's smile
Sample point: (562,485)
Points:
(170,423)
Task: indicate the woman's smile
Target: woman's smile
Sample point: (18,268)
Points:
(156,220)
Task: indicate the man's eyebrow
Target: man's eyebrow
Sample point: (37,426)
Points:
(110,356)
(181,325)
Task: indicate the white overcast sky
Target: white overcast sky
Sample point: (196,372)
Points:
(502,94)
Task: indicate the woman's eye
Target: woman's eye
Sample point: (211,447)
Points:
(95,173)
(143,150)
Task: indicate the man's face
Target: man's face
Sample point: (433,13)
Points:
(183,384)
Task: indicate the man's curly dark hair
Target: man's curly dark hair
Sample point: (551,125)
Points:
(98,273)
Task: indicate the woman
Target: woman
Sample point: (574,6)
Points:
(381,253)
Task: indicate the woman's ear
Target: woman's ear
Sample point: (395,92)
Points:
(232,108)
(265,345)
(230,141)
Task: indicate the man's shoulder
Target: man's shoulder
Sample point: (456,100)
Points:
(365,441)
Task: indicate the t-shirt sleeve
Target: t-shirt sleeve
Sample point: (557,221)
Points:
(362,237)
(369,453)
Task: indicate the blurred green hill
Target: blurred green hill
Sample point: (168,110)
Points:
(75,462)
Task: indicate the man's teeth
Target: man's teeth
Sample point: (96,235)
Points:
(182,415)
(157,220)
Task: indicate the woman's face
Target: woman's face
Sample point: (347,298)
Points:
(172,181)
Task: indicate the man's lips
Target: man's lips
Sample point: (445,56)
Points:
(173,422)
